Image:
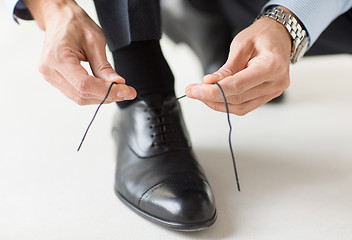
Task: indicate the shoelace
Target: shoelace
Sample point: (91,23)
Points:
(160,135)
(95,114)
(228,119)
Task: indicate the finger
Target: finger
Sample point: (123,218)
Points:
(204,92)
(257,73)
(243,109)
(101,68)
(212,93)
(252,76)
(80,99)
(77,76)
(264,89)
(239,56)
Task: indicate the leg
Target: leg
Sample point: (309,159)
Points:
(133,32)
(156,168)
(126,21)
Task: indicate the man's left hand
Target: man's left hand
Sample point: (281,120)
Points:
(257,70)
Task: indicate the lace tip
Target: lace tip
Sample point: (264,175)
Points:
(181,97)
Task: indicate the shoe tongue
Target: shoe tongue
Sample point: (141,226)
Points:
(155,100)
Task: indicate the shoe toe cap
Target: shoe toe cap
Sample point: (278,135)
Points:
(180,202)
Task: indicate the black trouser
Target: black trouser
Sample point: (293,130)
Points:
(124,21)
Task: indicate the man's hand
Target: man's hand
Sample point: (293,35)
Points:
(257,70)
(71,37)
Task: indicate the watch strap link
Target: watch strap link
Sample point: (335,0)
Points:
(299,35)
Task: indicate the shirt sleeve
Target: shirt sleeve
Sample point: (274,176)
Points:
(18,10)
(315,15)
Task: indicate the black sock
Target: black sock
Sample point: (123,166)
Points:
(144,67)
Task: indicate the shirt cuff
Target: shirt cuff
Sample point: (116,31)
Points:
(314,15)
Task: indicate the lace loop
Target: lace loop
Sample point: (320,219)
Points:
(162,123)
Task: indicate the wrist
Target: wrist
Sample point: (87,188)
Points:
(277,34)
(296,30)
(44,11)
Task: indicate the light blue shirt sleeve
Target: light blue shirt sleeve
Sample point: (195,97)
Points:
(315,15)
(18,10)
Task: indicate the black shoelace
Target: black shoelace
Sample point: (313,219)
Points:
(228,120)
(160,123)
(95,114)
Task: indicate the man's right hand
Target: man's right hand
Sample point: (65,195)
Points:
(71,37)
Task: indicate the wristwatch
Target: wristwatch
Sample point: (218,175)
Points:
(299,36)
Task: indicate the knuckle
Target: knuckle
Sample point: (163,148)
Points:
(284,83)
(81,85)
(240,110)
(43,68)
(104,66)
(94,37)
(238,99)
(241,113)
(287,82)
(212,105)
(277,94)
(238,87)
(271,64)
(227,70)
(90,37)
(215,107)
(279,66)
(83,95)
(238,43)
(61,54)
(80,101)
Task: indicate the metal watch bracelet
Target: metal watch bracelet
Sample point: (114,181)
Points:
(299,36)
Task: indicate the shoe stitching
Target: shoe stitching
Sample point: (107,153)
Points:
(158,185)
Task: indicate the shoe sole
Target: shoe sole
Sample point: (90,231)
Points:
(184,227)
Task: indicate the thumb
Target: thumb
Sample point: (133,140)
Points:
(237,60)
(100,66)
(223,72)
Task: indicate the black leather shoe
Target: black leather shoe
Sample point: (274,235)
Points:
(206,33)
(157,174)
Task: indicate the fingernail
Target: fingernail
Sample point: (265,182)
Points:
(129,97)
(217,75)
(113,76)
(121,93)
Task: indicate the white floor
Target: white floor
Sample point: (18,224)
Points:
(294,159)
